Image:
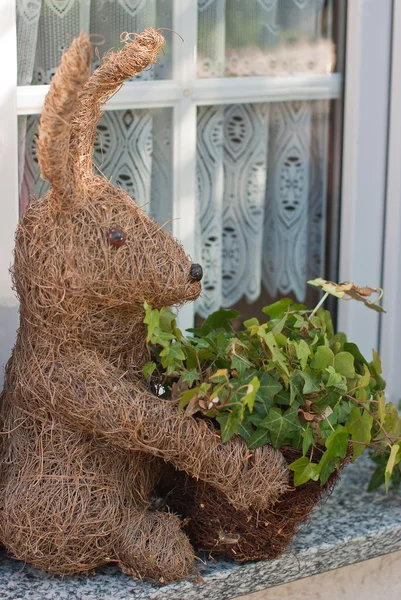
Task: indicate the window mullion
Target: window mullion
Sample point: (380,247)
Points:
(8,173)
(240,90)
(184,160)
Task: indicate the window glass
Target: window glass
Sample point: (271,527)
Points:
(133,149)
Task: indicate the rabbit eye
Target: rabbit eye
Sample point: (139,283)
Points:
(116,237)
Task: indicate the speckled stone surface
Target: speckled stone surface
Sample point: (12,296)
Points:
(349,526)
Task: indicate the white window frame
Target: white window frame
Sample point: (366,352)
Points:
(368,38)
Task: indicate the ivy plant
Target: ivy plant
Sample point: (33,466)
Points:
(286,380)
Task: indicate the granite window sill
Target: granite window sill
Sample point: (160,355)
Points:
(348,527)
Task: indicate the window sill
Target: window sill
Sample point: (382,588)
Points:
(349,527)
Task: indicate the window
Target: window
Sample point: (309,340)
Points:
(234,137)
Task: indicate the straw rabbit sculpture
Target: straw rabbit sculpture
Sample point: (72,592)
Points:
(84,440)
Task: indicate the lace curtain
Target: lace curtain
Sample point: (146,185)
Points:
(133,147)
(261,168)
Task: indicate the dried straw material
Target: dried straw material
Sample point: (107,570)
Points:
(84,442)
(215,526)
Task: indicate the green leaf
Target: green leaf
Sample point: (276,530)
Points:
(281,339)
(344,364)
(283,398)
(167,319)
(336,380)
(303,352)
(280,424)
(277,426)
(221,319)
(250,395)
(173,352)
(229,424)
(337,443)
(161,338)
(365,378)
(277,309)
(190,376)
(268,389)
(219,376)
(304,470)
(259,438)
(322,359)
(240,364)
(376,363)
(354,350)
(152,320)
(292,418)
(377,478)
(381,408)
(312,382)
(148,369)
(342,410)
(393,460)
(327,321)
(336,447)
(280,359)
(186,397)
(279,326)
(251,323)
(246,431)
(359,424)
(308,439)
(268,337)
(296,387)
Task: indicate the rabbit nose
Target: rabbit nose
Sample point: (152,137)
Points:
(196,272)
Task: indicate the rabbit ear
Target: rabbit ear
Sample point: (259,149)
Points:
(59,107)
(133,58)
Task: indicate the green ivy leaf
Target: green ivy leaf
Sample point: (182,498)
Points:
(336,447)
(356,353)
(186,397)
(173,352)
(259,438)
(278,427)
(221,319)
(365,378)
(323,358)
(359,424)
(278,309)
(251,323)
(152,320)
(190,376)
(304,470)
(336,380)
(308,439)
(296,387)
(246,431)
(393,459)
(377,478)
(167,319)
(148,369)
(240,364)
(303,352)
(250,395)
(268,389)
(230,423)
(376,363)
(344,364)
(161,338)
(312,382)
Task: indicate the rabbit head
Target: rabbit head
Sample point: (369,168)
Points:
(86,243)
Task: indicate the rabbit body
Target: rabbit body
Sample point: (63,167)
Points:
(84,441)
